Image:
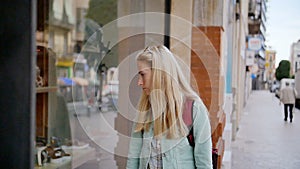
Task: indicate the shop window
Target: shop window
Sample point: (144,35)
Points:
(68,83)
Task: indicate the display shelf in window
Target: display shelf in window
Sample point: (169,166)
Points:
(46,89)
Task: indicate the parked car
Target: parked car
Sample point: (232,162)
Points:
(274,86)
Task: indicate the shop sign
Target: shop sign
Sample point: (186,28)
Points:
(250,55)
(254,43)
(267,65)
(64,62)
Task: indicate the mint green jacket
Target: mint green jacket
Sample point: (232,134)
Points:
(176,153)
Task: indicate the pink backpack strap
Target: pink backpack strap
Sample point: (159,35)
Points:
(187,114)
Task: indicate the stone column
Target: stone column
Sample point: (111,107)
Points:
(181,31)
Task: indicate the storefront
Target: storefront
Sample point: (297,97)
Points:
(35,115)
(37,118)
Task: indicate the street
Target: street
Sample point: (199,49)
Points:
(264,140)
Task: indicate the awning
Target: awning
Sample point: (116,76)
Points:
(64,63)
(72,81)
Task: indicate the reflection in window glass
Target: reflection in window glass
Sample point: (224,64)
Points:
(85,51)
(77,81)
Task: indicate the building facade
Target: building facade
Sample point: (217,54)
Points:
(208,36)
(203,38)
(256,41)
(295,57)
(270,65)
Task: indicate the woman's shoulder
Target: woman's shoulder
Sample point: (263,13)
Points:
(199,108)
(198,103)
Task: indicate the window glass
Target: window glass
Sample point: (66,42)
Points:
(77,81)
(81,47)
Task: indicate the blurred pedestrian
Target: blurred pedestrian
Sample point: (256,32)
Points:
(159,133)
(288,97)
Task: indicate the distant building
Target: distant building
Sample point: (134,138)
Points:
(295,57)
(270,65)
(256,39)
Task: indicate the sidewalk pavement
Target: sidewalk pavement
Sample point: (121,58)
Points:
(264,140)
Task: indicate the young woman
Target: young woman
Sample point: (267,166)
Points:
(159,133)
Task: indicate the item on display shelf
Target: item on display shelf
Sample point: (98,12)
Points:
(55,141)
(42,156)
(59,155)
(39,82)
(51,154)
(40,141)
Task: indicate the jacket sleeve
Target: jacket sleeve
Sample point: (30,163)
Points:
(295,93)
(135,146)
(202,137)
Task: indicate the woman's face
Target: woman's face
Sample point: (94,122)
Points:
(145,76)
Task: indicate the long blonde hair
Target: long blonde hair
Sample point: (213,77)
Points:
(169,90)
